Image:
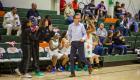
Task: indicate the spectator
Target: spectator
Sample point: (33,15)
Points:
(102,32)
(132,24)
(75,5)
(12,21)
(122,25)
(33,12)
(92,8)
(1,6)
(108,42)
(87,11)
(69,13)
(102,12)
(117,10)
(112,28)
(97,45)
(123,9)
(119,40)
(46,31)
(62,5)
(136,16)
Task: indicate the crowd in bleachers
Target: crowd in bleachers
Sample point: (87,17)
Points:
(56,43)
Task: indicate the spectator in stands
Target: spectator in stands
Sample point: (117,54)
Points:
(136,16)
(112,28)
(132,23)
(102,12)
(12,21)
(86,11)
(1,6)
(97,45)
(119,42)
(33,12)
(92,8)
(117,10)
(89,10)
(46,29)
(62,5)
(108,42)
(122,25)
(55,53)
(102,32)
(69,13)
(124,12)
(75,5)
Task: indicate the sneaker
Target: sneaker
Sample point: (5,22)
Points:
(72,75)
(77,68)
(85,67)
(18,72)
(53,70)
(39,73)
(62,69)
(26,76)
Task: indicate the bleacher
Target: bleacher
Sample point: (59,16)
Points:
(58,20)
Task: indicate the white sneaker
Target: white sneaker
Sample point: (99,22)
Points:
(27,76)
(17,72)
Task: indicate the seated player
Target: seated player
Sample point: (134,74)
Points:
(55,53)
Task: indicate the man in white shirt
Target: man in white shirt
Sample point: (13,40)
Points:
(12,21)
(77,35)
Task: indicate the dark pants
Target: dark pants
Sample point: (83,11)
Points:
(77,45)
(25,62)
(110,49)
(102,39)
(30,50)
(124,31)
(98,50)
(118,15)
(122,48)
(35,55)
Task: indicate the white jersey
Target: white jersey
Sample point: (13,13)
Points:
(55,52)
(88,45)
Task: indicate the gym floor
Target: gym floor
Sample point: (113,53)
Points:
(125,72)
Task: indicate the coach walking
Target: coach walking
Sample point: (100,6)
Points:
(77,35)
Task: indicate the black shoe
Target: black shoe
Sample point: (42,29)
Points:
(90,70)
(72,75)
